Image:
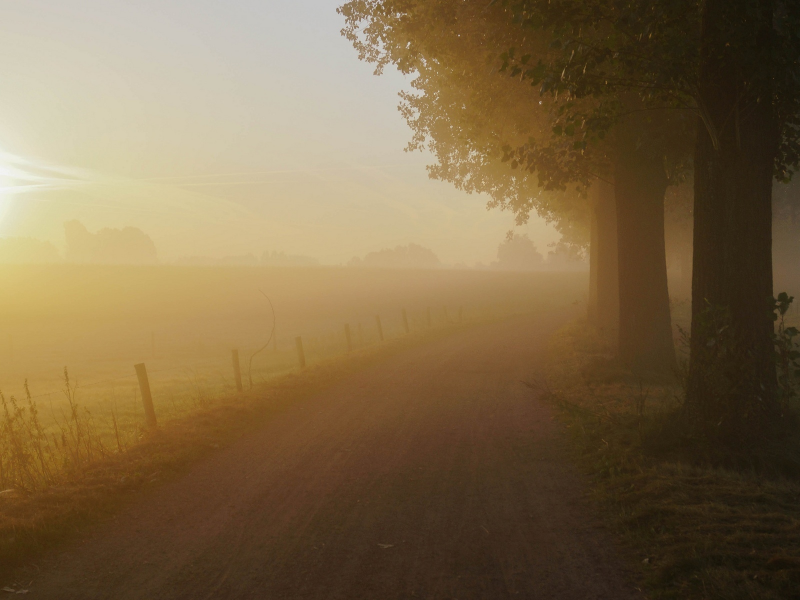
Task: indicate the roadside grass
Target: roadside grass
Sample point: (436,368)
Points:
(90,487)
(696,527)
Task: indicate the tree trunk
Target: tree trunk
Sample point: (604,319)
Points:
(592,309)
(603,266)
(645,326)
(732,372)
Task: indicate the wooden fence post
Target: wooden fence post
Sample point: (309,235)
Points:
(237,372)
(405,321)
(380,328)
(301,356)
(429,317)
(147,398)
(349,339)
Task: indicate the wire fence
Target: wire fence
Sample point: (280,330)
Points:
(48,433)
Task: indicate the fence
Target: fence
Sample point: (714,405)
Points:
(35,447)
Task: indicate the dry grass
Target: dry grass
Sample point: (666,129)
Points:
(45,511)
(72,444)
(697,531)
(34,457)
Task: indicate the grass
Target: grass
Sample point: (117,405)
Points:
(695,528)
(72,444)
(85,481)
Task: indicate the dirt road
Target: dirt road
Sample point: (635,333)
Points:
(436,474)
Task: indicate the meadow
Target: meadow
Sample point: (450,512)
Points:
(70,335)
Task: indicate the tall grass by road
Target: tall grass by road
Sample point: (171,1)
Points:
(699,523)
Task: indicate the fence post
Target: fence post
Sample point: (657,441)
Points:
(147,398)
(237,372)
(380,328)
(405,321)
(349,339)
(301,356)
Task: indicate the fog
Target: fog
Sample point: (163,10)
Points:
(218,130)
(399,298)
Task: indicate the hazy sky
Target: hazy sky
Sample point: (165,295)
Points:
(219,128)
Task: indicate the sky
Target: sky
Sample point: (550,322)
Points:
(219,129)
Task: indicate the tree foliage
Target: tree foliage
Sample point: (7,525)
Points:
(466,111)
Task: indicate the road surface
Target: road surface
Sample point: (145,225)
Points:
(435,474)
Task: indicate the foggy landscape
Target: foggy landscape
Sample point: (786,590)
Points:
(400,299)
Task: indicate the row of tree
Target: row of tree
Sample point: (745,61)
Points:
(128,245)
(588,112)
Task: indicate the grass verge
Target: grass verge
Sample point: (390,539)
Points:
(36,522)
(695,530)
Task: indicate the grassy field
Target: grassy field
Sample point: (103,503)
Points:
(92,488)
(696,530)
(73,442)
(183,322)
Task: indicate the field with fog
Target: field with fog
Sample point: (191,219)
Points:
(183,322)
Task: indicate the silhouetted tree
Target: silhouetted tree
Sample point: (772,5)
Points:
(732,65)
(412,256)
(474,65)
(518,253)
(108,246)
(281,259)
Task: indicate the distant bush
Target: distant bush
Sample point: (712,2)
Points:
(281,259)
(108,246)
(518,253)
(244,260)
(274,259)
(565,257)
(18,251)
(412,256)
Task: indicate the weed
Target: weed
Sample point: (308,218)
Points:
(698,526)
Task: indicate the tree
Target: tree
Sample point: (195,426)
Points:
(108,246)
(467,109)
(786,235)
(733,64)
(604,258)
(412,256)
(748,97)
(518,253)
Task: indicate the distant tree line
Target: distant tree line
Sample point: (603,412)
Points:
(590,112)
(412,256)
(128,245)
(268,259)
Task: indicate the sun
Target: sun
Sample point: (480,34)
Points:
(17,175)
(6,188)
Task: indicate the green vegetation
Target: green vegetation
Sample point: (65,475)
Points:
(702,521)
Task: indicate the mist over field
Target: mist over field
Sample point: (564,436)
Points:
(400,299)
(100,320)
